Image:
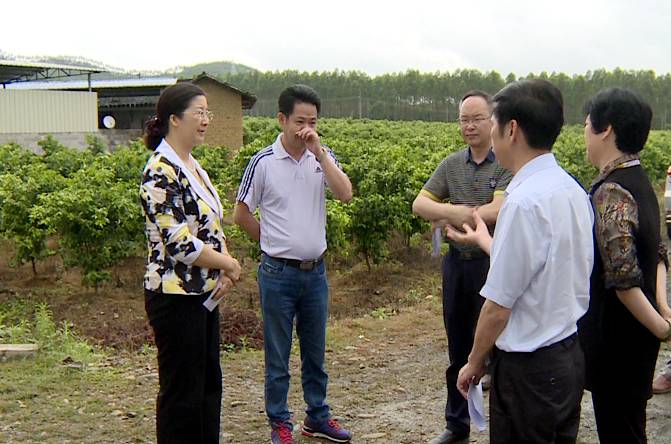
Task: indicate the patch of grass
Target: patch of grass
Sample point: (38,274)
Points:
(56,342)
(68,382)
(382,313)
(228,348)
(73,405)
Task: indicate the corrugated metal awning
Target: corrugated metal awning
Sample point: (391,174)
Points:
(12,71)
(98,84)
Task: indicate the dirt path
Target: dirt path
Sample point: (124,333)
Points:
(386,384)
(386,371)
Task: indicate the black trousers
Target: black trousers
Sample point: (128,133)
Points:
(535,397)
(462,282)
(187,337)
(618,420)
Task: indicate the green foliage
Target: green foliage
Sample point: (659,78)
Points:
(126,162)
(217,162)
(656,157)
(237,165)
(96,145)
(382,313)
(19,194)
(373,219)
(338,219)
(572,156)
(51,146)
(262,131)
(239,240)
(97,218)
(87,200)
(13,158)
(66,161)
(23,322)
(434,96)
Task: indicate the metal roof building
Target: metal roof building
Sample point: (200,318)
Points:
(130,92)
(123,105)
(13,72)
(26,116)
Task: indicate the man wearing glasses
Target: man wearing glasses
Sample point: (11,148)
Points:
(466,180)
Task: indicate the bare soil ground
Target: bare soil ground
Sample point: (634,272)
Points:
(386,359)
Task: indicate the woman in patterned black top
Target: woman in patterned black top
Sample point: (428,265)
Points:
(187,262)
(622,328)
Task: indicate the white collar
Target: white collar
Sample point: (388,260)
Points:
(280,152)
(211,198)
(530,168)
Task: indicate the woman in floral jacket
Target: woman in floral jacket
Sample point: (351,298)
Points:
(187,263)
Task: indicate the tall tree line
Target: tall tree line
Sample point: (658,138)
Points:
(413,95)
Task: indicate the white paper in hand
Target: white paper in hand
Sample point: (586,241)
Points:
(210,303)
(436,240)
(476,407)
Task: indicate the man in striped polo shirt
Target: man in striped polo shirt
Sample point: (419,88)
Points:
(288,181)
(468,179)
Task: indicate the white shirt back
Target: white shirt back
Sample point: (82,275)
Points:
(292,197)
(542,256)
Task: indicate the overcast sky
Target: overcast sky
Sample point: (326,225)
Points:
(523,36)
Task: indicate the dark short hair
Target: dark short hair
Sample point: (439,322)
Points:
(298,94)
(537,107)
(174,100)
(624,110)
(477,93)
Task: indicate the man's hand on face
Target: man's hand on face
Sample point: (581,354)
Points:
(311,140)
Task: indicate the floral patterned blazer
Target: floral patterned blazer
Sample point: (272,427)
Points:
(181,216)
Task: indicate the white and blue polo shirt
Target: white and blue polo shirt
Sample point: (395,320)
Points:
(292,197)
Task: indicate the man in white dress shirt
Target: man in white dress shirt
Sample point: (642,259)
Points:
(538,282)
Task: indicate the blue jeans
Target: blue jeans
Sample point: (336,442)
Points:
(287,292)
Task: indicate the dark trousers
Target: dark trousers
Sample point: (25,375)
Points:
(618,420)
(535,397)
(462,282)
(187,338)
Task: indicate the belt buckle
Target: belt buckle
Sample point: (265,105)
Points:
(306,265)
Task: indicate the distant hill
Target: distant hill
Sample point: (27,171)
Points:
(217,69)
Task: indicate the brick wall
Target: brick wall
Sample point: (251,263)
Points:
(117,137)
(113,138)
(226,128)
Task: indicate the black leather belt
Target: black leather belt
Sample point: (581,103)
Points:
(301,265)
(468,255)
(565,343)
